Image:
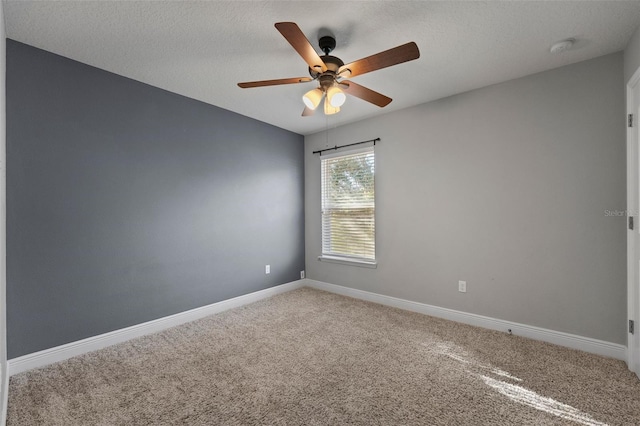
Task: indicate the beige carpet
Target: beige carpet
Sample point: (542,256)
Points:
(313,358)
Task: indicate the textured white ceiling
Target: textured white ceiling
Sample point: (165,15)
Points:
(201,49)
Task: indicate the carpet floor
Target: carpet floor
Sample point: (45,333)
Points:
(308,357)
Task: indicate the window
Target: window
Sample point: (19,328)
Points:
(348,207)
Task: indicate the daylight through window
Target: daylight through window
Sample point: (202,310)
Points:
(348,205)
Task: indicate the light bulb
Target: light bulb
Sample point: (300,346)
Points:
(336,96)
(312,98)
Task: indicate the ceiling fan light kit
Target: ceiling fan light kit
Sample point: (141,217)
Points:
(312,98)
(333,100)
(330,110)
(329,71)
(335,96)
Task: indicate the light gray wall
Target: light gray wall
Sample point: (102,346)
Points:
(632,56)
(505,187)
(127,203)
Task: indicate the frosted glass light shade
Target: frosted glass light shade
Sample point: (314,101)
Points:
(328,109)
(336,96)
(312,98)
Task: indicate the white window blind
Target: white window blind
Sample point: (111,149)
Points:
(348,205)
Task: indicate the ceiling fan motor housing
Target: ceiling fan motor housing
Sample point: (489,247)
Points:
(333,65)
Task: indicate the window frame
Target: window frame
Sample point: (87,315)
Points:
(346,259)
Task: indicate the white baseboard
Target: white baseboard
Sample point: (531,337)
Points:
(60,353)
(573,341)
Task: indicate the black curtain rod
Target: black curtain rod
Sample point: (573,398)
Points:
(344,146)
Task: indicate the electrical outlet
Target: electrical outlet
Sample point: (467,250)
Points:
(301,275)
(462,286)
(267,269)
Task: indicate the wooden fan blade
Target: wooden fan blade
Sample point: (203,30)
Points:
(397,55)
(364,93)
(300,43)
(307,112)
(274,82)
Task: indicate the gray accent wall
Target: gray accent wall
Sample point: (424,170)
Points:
(127,203)
(505,187)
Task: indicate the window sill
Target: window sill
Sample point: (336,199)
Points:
(349,261)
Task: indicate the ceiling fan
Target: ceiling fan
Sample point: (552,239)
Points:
(332,74)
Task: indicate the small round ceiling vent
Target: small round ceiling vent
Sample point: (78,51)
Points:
(563,45)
